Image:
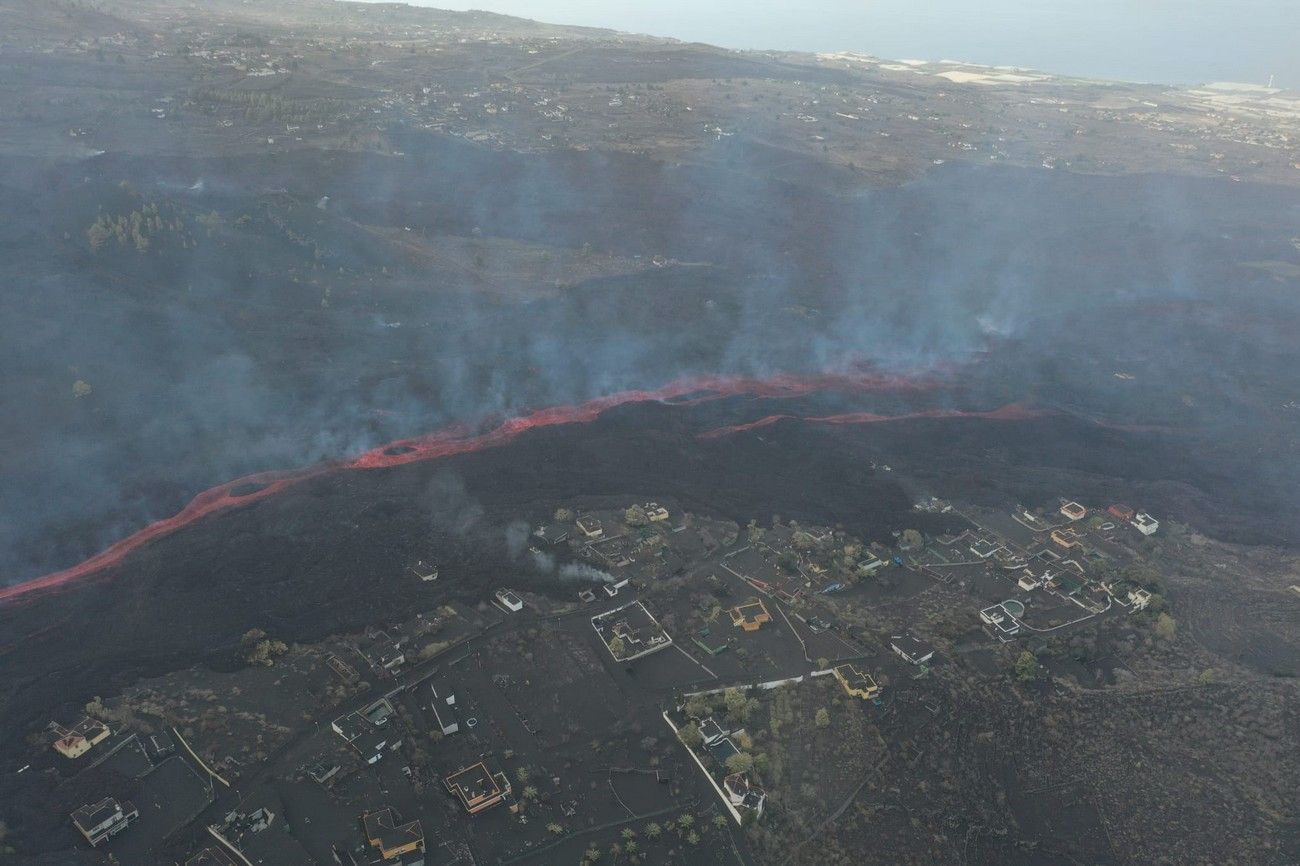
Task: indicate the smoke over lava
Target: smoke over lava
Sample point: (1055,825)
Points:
(244,352)
(460,440)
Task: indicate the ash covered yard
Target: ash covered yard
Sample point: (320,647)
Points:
(641,683)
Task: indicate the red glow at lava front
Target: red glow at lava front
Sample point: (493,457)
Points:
(460,439)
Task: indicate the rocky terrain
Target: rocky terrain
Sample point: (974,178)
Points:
(272,237)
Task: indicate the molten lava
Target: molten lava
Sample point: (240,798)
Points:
(459,439)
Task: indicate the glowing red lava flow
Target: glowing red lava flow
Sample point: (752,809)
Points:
(1010,412)
(458,439)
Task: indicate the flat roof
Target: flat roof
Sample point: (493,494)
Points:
(635,626)
(912,645)
(752,610)
(211,856)
(854,678)
(92,815)
(723,749)
(386,834)
(475,784)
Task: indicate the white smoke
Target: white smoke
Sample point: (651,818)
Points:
(543,562)
(582,571)
(516,538)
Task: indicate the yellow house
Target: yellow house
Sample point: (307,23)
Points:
(392,839)
(858,684)
(751,615)
(478,788)
(1066,539)
(76,742)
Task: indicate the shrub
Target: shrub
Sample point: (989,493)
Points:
(1026,667)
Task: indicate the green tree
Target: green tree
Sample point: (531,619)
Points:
(741,762)
(1166,627)
(1026,667)
(911,539)
(617,647)
(690,735)
(739,707)
(823,718)
(255,648)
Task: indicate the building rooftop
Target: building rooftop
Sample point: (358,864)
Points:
(1073,511)
(750,615)
(477,787)
(634,627)
(377,713)
(1145,523)
(392,838)
(857,682)
(553,533)
(509,599)
(92,815)
(211,856)
(743,792)
(350,727)
(711,731)
(98,821)
(723,749)
(445,709)
(911,648)
(77,740)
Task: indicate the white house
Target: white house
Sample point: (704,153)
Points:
(512,602)
(1145,523)
(911,649)
(99,821)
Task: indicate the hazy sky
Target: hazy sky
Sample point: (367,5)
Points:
(1174,41)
